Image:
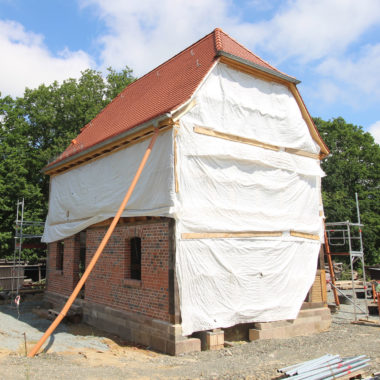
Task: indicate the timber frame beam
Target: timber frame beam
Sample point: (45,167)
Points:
(106,149)
(244,140)
(244,234)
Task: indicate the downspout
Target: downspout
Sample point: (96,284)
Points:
(98,252)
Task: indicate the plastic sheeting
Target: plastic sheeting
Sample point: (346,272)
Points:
(93,192)
(227,186)
(224,186)
(229,281)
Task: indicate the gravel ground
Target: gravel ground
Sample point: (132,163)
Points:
(81,352)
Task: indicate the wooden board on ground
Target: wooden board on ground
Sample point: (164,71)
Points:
(347,284)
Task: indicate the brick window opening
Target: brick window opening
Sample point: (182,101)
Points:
(135,244)
(60,251)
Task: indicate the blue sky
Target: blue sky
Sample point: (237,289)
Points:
(332,46)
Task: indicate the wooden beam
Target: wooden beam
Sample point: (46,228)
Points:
(309,122)
(303,153)
(108,149)
(227,235)
(182,111)
(245,234)
(244,140)
(176,183)
(235,138)
(304,235)
(251,70)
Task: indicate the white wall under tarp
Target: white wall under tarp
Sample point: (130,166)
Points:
(224,186)
(227,186)
(93,192)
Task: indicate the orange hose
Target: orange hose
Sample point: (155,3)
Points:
(98,252)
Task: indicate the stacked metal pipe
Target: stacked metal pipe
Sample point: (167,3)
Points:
(326,367)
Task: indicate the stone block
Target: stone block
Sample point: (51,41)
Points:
(187,345)
(142,337)
(214,340)
(126,333)
(211,340)
(158,343)
(308,323)
(175,330)
(271,325)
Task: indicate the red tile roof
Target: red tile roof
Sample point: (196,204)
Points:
(160,91)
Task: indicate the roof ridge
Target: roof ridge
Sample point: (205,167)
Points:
(218,39)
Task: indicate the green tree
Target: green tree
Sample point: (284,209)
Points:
(37,127)
(352,166)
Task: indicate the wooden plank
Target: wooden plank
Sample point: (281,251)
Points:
(176,183)
(114,147)
(182,111)
(234,138)
(309,122)
(303,153)
(324,288)
(304,235)
(227,235)
(245,140)
(253,71)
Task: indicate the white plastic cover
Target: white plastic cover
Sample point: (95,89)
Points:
(227,186)
(224,186)
(93,192)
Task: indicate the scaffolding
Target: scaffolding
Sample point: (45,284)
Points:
(347,240)
(24,229)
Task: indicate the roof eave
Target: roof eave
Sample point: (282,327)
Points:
(155,121)
(222,53)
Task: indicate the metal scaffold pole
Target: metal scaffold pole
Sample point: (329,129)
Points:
(24,229)
(348,235)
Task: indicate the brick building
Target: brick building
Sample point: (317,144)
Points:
(224,227)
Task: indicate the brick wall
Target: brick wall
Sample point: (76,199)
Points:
(110,283)
(63,281)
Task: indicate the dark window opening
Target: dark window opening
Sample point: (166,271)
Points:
(60,251)
(135,244)
(82,253)
(82,260)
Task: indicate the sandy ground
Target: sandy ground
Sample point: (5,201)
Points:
(82,352)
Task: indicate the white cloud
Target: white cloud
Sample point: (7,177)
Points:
(142,34)
(362,74)
(27,62)
(309,30)
(374,129)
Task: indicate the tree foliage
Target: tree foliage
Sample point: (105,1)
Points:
(353,166)
(37,127)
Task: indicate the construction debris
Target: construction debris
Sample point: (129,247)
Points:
(327,367)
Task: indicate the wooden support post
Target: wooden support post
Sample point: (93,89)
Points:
(331,267)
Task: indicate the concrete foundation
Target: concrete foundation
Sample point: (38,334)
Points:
(309,321)
(158,335)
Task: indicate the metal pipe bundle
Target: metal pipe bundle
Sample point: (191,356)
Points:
(326,367)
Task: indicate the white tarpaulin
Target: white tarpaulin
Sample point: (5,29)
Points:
(225,187)
(93,192)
